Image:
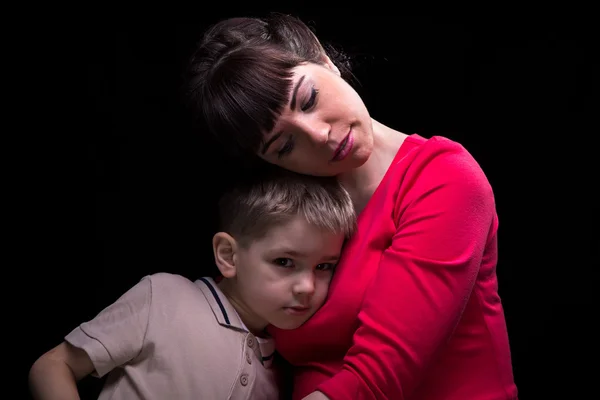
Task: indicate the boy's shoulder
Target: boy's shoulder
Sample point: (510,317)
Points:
(167,279)
(174,296)
(170,290)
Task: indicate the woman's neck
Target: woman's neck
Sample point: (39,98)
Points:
(362,181)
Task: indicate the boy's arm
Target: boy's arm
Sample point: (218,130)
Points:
(112,338)
(55,374)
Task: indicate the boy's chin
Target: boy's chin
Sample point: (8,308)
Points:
(289,325)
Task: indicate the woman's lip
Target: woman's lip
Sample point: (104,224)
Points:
(341,146)
(344,148)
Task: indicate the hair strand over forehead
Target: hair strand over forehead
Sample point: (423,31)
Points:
(240,76)
(246,102)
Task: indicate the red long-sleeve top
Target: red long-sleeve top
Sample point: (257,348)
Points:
(413,310)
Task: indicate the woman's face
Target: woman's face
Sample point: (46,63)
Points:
(324,130)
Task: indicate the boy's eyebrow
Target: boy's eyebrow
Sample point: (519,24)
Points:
(295,253)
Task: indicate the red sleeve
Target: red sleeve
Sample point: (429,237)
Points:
(443,213)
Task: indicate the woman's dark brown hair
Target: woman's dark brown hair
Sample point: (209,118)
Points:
(239,77)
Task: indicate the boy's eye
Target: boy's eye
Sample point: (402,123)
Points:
(326,267)
(283,262)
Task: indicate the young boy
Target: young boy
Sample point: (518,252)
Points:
(172,338)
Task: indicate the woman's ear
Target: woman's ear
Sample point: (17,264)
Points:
(224,249)
(329,64)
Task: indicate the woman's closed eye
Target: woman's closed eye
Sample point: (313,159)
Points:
(287,147)
(311,100)
(289,144)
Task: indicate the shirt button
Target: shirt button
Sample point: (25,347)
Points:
(248,357)
(244,379)
(250,341)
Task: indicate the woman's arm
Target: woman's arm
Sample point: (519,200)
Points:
(424,279)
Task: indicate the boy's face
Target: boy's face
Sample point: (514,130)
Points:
(283,278)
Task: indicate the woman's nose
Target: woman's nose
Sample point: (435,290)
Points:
(317,131)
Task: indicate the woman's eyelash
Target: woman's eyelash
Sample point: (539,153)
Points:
(311,100)
(289,145)
(287,148)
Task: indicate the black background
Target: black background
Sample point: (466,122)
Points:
(140,186)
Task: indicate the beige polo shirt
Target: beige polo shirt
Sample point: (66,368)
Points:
(171,338)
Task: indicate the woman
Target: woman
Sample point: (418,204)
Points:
(413,310)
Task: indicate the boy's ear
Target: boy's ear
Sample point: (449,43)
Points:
(224,249)
(329,64)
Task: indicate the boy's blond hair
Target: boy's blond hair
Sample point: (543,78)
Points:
(271,196)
